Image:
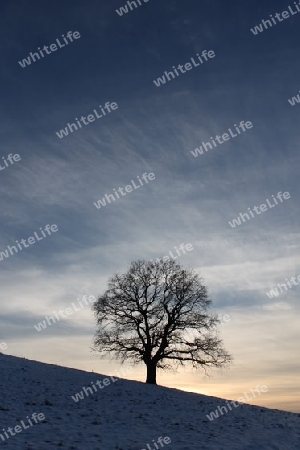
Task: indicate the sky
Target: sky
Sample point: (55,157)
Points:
(56,181)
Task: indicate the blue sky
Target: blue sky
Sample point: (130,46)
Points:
(154,130)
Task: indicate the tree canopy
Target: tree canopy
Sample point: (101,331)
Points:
(157,313)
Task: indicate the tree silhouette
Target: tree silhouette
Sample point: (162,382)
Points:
(157,313)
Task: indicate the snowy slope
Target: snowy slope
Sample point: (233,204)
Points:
(126,415)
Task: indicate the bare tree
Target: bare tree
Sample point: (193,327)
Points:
(157,313)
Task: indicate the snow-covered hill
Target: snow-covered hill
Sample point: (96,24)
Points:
(125,415)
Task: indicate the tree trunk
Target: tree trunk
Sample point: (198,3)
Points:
(151,373)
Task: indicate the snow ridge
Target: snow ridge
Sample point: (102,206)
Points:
(128,415)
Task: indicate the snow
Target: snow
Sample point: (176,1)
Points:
(127,415)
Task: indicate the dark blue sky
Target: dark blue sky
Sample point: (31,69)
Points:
(154,130)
